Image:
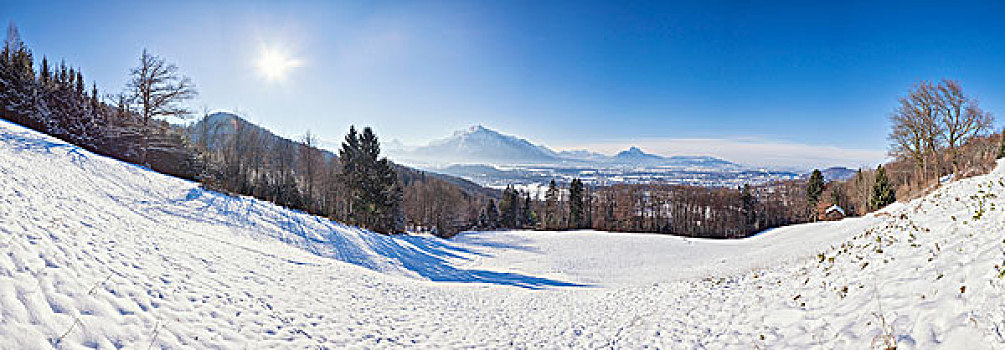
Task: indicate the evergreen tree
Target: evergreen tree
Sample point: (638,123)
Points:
(749,209)
(19,95)
(352,175)
(587,207)
(528,217)
(509,208)
(883,193)
(372,184)
(44,75)
(95,102)
(62,77)
(17,57)
(482,221)
(576,212)
(551,206)
(80,84)
(491,215)
(815,187)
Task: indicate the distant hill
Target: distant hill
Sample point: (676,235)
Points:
(835,173)
(635,156)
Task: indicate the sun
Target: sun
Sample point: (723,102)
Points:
(274,64)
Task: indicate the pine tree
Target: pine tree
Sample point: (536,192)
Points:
(814,188)
(749,209)
(95,102)
(375,195)
(44,75)
(509,208)
(528,212)
(80,84)
(883,193)
(352,176)
(62,78)
(576,212)
(491,215)
(18,89)
(551,206)
(17,56)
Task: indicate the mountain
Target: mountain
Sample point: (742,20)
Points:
(701,161)
(479,144)
(838,173)
(635,156)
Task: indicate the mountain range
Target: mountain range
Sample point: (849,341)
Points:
(481,145)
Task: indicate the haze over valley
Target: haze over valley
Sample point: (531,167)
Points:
(491,158)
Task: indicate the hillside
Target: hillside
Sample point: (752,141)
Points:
(102,254)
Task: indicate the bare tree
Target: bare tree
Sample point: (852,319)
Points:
(312,162)
(916,132)
(932,118)
(157,89)
(960,116)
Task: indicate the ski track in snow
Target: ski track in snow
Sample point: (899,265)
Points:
(95,253)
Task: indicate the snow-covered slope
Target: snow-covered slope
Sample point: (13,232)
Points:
(95,253)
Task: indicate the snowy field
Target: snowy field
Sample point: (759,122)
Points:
(95,253)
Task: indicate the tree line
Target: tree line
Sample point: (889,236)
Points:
(696,211)
(54,100)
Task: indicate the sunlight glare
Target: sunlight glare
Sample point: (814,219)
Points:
(274,64)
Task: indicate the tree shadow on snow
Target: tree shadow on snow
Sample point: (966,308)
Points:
(484,239)
(25,141)
(432,258)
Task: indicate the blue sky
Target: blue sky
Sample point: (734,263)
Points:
(787,82)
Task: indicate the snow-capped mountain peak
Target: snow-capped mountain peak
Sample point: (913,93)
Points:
(478,144)
(481,144)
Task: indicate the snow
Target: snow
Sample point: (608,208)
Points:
(836,208)
(95,253)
